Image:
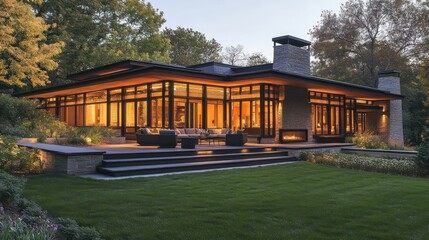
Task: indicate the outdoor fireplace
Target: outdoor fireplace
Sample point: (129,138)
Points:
(292,135)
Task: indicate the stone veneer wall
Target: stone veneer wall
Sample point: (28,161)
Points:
(295,111)
(393,113)
(289,58)
(70,164)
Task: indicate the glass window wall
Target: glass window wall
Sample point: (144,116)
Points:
(193,106)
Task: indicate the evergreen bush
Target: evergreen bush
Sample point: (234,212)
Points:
(422,159)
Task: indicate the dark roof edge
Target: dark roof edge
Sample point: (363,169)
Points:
(113,75)
(319,79)
(292,40)
(131,62)
(70,76)
(212,63)
(213,75)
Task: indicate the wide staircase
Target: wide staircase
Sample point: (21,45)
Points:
(159,162)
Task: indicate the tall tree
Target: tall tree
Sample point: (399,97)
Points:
(234,55)
(367,37)
(189,47)
(25,57)
(98,32)
(256,59)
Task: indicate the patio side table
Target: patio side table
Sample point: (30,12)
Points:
(189,142)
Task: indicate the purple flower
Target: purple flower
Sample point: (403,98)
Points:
(55,227)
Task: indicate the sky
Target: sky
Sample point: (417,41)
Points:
(250,23)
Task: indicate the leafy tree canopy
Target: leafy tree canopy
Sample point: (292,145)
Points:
(25,56)
(98,32)
(189,47)
(367,37)
(256,59)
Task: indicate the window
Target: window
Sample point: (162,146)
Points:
(361,122)
(156,120)
(115,114)
(195,113)
(327,112)
(96,114)
(71,115)
(180,89)
(179,113)
(130,93)
(141,91)
(215,114)
(130,114)
(156,90)
(195,91)
(142,114)
(95,97)
(115,94)
(215,92)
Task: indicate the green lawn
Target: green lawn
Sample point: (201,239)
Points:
(296,201)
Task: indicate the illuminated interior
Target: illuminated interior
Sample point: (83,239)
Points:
(333,114)
(169,104)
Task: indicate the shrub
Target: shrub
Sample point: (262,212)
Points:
(369,140)
(24,219)
(422,159)
(95,134)
(69,229)
(21,118)
(405,167)
(74,137)
(14,158)
(86,135)
(10,189)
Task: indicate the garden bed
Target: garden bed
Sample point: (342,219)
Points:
(381,153)
(404,166)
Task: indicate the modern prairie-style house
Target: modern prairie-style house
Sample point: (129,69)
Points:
(274,103)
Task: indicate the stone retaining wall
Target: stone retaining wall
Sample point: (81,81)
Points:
(69,160)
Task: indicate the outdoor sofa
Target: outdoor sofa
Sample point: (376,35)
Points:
(197,132)
(165,138)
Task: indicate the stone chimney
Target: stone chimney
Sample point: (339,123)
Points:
(390,81)
(291,54)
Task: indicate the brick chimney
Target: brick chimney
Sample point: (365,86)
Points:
(390,81)
(291,54)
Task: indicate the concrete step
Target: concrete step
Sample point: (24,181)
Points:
(175,152)
(190,166)
(184,159)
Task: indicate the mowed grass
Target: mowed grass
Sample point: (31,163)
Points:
(295,201)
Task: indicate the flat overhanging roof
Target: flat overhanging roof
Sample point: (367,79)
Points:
(156,73)
(288,39)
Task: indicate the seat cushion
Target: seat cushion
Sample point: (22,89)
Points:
(181,130)
(190,131)
(211,131)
